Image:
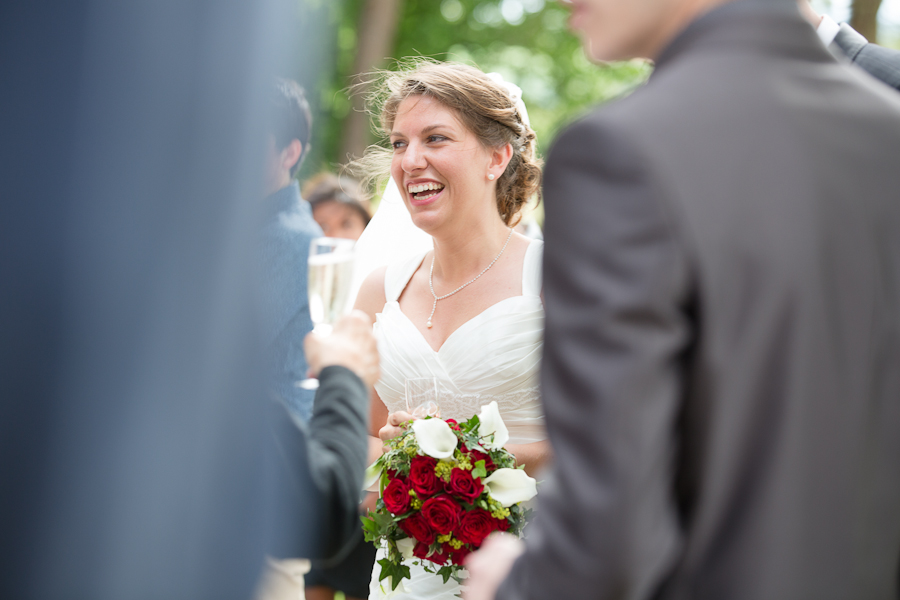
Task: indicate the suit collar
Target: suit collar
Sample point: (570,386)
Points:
(754,25)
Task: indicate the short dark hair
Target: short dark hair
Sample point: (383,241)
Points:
(291,118)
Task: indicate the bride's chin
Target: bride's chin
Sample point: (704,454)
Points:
(427,221)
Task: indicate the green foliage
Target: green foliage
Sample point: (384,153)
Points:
(396,571)
(526,41)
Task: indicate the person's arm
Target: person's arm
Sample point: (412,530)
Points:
(614,281)
(879,62)
(371,300)
(322,464)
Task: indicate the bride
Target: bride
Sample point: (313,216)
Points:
(469,312)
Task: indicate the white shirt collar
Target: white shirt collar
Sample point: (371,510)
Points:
(827,30)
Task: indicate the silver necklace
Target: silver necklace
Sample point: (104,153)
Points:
(473,280)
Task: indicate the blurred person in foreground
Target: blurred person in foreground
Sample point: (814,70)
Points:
(337,206)
(720,374)
(288,229)
(136,436)
(880,62)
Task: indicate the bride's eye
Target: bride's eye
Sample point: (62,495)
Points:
(397,144)
(436,138)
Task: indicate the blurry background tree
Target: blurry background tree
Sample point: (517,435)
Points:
(877,20)
(525,40)
(864,18)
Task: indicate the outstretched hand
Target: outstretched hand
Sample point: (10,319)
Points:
(351,344)
(490,565)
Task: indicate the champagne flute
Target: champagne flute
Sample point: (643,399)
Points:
(422,397)
(330,275)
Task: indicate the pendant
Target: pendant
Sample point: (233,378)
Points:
(428,324)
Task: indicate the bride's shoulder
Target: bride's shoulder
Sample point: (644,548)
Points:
(371,297)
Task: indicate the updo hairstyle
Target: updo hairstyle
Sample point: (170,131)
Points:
(483,106)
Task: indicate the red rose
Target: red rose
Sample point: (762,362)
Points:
(502,524)
(464,486)
(475,525)
(421,551)
(422,477)
(396,496)
(453,424)
(442,513)
(416,527)
(458,556)
(476,455)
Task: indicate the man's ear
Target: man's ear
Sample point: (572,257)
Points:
(500,157)
(291,154)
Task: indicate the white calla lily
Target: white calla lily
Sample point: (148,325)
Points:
(406,546)
(373,474)
(510,486)
(490,422)
(435,437)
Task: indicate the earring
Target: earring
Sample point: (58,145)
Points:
(491,176)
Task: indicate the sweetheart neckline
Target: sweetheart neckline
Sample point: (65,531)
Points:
(461,327)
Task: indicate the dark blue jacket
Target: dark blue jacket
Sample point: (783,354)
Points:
(287,232)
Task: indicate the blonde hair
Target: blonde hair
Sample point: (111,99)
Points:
(483,106)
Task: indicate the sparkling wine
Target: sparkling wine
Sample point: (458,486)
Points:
(329,287)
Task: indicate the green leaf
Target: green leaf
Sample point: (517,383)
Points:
(446,572)
(386,568)
(471,425)
(371,530)
(397,572)
(479,470)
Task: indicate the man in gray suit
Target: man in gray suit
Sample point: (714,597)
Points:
(880,62)
(721,375)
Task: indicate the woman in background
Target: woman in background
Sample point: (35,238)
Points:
(338,205)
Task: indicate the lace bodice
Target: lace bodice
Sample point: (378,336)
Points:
(493,356)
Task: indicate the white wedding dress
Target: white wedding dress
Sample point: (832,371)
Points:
(493,356)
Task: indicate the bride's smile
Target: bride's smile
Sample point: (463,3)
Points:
(422,193)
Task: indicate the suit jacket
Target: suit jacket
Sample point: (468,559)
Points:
(721,374)
(880,62)
(288,229)
(321,467)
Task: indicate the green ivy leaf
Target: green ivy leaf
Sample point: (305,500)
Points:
(446,572)
(471,425)
(479,470)
(397,572)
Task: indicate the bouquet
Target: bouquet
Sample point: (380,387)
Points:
(444,486)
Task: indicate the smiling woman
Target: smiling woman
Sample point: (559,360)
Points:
(467,313)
